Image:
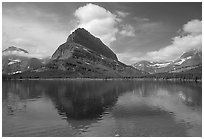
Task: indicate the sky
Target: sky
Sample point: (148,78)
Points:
(134,31)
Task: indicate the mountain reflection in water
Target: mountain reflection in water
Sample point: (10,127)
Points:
(101,108)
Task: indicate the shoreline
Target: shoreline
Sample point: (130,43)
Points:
(109,79)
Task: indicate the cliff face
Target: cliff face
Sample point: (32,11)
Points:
(81,37)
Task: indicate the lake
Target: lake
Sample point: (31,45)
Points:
(101,108)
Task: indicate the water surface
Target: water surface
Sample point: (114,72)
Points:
(101,108)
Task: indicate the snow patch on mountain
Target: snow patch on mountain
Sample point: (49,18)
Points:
(182,60)
(87,63)
(13,61)
(160,65)
(85,49)
(102,57)
(15,72)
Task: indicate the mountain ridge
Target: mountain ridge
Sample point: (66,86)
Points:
(13,49)
(190,58)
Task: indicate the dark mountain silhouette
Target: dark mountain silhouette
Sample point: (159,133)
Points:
(86,39)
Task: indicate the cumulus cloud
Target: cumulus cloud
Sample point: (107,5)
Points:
(122,14)
(193,27)
(98,21)
(127,30)
(180,44)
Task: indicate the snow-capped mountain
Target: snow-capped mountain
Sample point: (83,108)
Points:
(187,61)
(16,60)
(151,67)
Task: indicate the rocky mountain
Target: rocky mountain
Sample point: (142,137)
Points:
(188,60)
(82,55)
(16,60)
(82,37)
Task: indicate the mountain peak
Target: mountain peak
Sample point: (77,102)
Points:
(13,48)
(83,37)
(82,32)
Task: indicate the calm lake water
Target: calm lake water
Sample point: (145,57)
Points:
(101,108)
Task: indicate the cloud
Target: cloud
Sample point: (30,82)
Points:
(39,38)
(122,14)
(193,27)
(127,30)
(180,44)
(36,27)
(98,21)
(144,37)
(20,53)
(126,57)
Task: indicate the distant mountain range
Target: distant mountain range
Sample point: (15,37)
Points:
(13,49)
(85,56)
(82,55)
(187,61)
(17,60)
